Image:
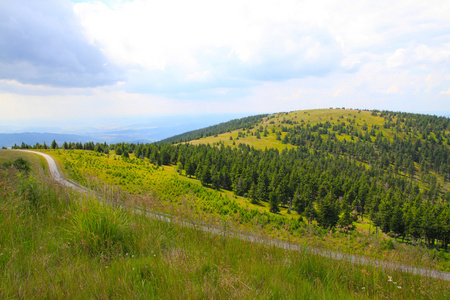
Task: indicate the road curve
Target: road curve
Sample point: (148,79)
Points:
(248,236)
(54,171)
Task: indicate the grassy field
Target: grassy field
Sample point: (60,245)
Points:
(55,243)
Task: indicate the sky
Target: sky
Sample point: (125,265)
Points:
(94,62)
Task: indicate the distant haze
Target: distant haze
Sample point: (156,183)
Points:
(144,131)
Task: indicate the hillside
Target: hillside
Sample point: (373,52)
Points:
(56,243)
(364,182)
(392,167)
(214,130)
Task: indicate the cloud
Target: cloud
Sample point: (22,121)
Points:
(421,55)
(228,44)
(42,42)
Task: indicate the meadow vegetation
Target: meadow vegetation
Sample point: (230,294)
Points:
(58,243)
(362,182)
(186,197)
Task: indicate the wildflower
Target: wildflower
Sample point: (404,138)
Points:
(363,288)
(399,287)
(389,278)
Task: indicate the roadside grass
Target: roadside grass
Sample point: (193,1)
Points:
(44,254)
(37,163)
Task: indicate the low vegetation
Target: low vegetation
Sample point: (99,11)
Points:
(56,243)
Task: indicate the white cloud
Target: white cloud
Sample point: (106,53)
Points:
(154,35)
(420,55)
(198,76)
(393,89)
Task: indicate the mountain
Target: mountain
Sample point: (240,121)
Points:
(332,166)
(31,138)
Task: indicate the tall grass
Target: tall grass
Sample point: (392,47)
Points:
(60,244)
(101,230)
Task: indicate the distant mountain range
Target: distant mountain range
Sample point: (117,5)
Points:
(31,138)
(142,131)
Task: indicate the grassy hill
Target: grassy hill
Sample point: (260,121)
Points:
(358,119)
(56,243)
(364,182)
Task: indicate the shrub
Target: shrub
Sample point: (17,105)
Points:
(20,164)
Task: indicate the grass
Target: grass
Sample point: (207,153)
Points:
(37,163)
(42,255)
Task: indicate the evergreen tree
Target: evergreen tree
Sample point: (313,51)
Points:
(118,150)
(397,223)
(190,168)
(253,194)
(310,212)
(345,221)
(327,212)
(262,190)
(273,202)
(205,177)
(54,145)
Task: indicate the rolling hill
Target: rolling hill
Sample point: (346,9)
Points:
(380,176)
(368,183)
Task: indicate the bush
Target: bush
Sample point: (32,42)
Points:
(20,164)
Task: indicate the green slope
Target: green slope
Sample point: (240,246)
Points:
(363,182)
(59,244)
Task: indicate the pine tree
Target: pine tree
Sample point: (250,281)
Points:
(327,212)
(253,193)
(310,212)
(273,202)
(205,177)
(262,187)
(397,224)
(345,221)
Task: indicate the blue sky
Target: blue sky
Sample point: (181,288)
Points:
(64,60)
